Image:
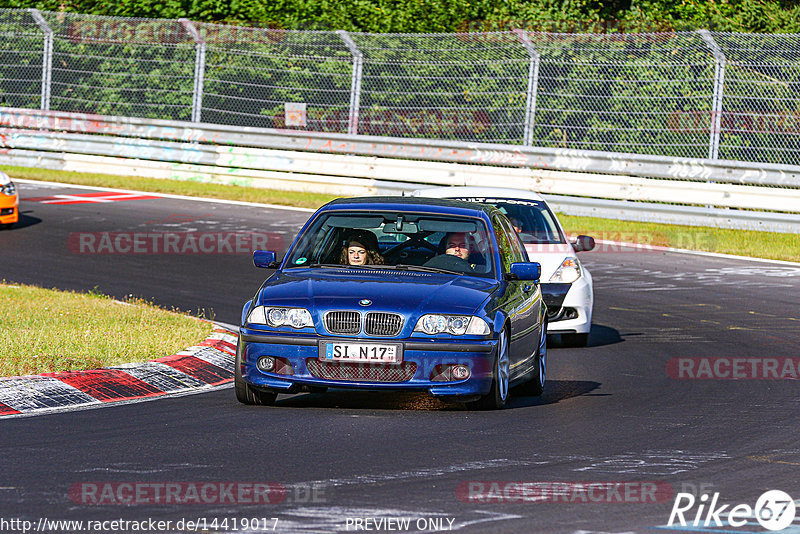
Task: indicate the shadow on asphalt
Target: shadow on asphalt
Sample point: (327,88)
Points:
(598,337)
(25,221)
(554,391)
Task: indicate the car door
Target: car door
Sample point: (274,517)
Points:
(521,300)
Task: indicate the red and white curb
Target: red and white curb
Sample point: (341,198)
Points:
(207,365)
(92,198)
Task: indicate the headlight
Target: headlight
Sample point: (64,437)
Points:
(9,189)
(457,325)
(568,272)
(275,317)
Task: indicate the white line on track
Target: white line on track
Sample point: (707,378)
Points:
(424,473)
(166,195)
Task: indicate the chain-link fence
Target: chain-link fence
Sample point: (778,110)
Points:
(691,94)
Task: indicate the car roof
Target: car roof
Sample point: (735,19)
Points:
(474,191)
(438,205)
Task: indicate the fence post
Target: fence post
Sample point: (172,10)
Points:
(47,57)
(719,87)
(199,69)
(355,84)
(533,86)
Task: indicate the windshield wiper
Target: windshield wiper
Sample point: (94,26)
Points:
(424,269)
(321,266)
(399,267)
(343,266)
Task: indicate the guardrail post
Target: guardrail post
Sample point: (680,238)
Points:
(719,86)
(355,84)
(199,69)
(533,86)
(47,57)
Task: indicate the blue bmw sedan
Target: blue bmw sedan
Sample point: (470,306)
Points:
(394,293)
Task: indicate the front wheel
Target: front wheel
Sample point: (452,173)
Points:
(245,393)
(498,394)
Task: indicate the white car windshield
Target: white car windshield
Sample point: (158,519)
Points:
(532,219)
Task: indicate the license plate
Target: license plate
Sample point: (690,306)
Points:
(334,351)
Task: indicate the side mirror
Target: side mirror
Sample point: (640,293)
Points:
(530,271)
(265,259)
(583,243)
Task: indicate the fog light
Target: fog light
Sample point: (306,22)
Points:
(450,372)
(460,372)
(266,363)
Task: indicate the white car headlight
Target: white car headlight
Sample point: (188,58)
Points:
(457,325)
(567,272)
(275,317)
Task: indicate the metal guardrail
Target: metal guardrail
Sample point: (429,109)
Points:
(729,96)
(365,165)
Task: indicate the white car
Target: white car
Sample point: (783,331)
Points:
(566,284)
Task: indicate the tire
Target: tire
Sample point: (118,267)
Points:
(6,226)
(574,340)
(498,394)
(535,386)
(245,393)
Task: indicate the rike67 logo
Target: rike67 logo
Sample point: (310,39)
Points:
(774,510)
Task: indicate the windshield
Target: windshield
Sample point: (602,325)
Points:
(532,219)
(396,240)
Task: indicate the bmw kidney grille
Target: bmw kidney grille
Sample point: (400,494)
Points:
(347,322)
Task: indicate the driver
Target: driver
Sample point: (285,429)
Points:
(461,245)
(457,244)
(360,248)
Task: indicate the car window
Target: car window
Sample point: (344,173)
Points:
(395,238)
(508,243)
(518,252)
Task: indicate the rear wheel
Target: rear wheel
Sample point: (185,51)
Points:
(498,394)
(245,393)
(535,386)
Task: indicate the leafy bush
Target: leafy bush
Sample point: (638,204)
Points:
(414,16)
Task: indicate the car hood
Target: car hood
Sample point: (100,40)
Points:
(406,292)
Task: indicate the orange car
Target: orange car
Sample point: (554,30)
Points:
(9,202)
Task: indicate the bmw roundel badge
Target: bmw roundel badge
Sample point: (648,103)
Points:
(365,302)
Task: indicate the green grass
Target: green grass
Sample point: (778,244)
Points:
(778,246)
(44,330)
(770,245)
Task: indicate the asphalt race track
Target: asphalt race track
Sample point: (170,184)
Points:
(621,428)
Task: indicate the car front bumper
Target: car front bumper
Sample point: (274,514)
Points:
(419,363)
(570,312)
(579,301)
(9,209)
